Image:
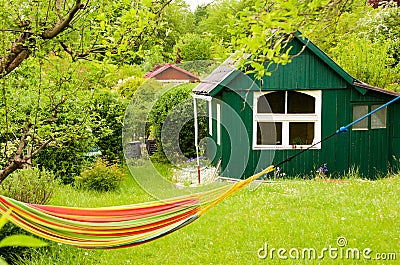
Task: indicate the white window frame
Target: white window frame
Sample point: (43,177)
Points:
(286,119)
(218,124)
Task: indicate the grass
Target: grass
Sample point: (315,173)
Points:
(284,214)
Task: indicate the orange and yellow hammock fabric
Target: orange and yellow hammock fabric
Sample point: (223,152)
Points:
(119,226)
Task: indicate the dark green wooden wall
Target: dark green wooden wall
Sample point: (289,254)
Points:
(372,152)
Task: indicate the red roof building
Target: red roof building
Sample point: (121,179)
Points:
(172,73)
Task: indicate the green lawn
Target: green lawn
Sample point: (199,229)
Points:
(289,214)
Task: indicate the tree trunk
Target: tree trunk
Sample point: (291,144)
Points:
(10,169)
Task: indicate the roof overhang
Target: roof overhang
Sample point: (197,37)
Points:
(376,89)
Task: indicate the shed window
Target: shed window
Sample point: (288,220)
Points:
(272,102)
(378,119)
(300,102)
(358,112)
(375,121)
(286,119)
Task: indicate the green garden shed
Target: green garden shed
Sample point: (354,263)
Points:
(255,123)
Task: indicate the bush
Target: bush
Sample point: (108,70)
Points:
(108,109)
(66,161)
(194,47)
(29,185)
(100,177)
(128,86)
(173,109)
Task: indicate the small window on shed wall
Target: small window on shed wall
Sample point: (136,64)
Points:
(358,112)
(378,119)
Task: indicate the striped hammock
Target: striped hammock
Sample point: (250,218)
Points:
(119,226)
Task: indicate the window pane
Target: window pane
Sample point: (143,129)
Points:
(272,102)
(269,133)
(301,133)
(300,103)
(358,112)
(378,119)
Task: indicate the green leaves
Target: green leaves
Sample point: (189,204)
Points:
(194,47)
(22,241)
(17,240)
(264,31)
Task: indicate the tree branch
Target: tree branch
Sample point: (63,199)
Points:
(43,145)
(19,52)
(63,23)
(58,7)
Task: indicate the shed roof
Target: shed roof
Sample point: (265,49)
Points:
(373,88)
(163,68)
(226,72)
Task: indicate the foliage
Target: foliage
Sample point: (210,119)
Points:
(177,20)
(172,123)
(15,241)
(13,238)
(29,185)
(201,68)
(378,3)
(367,61)
(369,49)
(214,19)
(136,125)
(261,33)
(37,98)
(108,109)
(65,161)
(192,47)
(128,86)
(101,177)
(46,105)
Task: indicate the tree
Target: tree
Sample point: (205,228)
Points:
(261,33)
(41,106)
(369,50)
(47,106)
(171,119)
(192,47)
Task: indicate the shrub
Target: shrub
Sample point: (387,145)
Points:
(128,86)
(194,47)
(65,161)
(108,109)
(29,185)
(101,177)
(172,109)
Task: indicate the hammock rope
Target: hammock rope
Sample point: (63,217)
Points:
(129,225)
